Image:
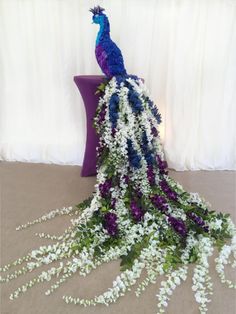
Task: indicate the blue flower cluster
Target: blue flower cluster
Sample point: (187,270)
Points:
(134,157)
(113,109)
(123,79)
(135,101)
(154,111)
(147,152)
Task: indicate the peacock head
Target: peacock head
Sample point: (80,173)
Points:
(98,16)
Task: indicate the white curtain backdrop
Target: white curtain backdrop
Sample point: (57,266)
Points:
(185,50)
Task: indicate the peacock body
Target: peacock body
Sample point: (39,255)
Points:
(108,55)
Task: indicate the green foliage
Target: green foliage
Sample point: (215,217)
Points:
(84,204)
(220,235)
(110,170)
(128,260)
(220,243)
(101,87)
(170,237)
(172,260)
(193,256)
(85,235)
(101,249)
(104,157)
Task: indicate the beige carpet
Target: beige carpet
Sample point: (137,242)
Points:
(29,190)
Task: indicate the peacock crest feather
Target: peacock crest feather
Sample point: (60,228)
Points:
(97,10)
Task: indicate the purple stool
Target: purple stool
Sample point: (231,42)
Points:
(87,85)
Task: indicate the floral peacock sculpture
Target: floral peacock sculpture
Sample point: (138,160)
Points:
(108,55)
(137,213)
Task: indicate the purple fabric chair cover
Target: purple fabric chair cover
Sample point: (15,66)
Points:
(87,85)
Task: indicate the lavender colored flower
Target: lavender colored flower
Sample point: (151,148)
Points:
(151,175)
(154,131)
(159,202)
(110,223)
(162,165)
(105,187)
(198,220)
(139,193)
(172,195)
(178,225)
(99,149)
(101,116)
(206,228)
(113,132)
(136,211)
(126,179)
(113,202)
(164,186)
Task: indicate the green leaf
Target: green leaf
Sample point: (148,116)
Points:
(84,203)
(193,255)
(75,246)
(166,266)
(219,244)
(104,209)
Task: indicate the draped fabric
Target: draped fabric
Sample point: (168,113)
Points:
(185,51)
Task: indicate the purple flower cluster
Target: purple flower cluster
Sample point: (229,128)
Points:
(162,165)
(113,202)
(159,202)
(172,195)
(100,149)
(105,187)
(110,224)
(136,211)
(154,131)
(198,220)
(126,179)
(102,114)
(138,193)
(178,225)
(151,175)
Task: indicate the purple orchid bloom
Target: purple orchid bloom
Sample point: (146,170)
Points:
(159,202)
(172,195)
(136,211)
(126,179)
(105,187)
(154,131)
(113,203)
(110,223)
(178,225)
(162,165)
(198,220)
(151,175)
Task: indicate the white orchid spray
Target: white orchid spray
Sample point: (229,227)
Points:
(137,214)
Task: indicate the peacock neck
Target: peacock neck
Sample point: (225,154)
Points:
(104,31)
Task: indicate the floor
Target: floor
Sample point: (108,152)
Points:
(29,190)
